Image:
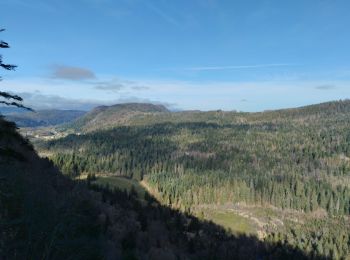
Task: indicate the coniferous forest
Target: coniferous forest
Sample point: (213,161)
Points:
(295,160)
(46,215)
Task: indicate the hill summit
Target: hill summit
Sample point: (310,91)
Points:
(103,117)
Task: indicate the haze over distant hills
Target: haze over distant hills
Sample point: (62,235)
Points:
(105,117)
(43,117)
(5,110)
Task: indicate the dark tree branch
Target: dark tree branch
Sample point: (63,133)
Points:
(8,66)
(5,94)
(16,105)
(8,96)
(4,44)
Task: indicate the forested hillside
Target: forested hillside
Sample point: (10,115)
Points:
(45,215)
(294,160)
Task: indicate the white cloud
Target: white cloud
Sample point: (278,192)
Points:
(326,87)
(187,95)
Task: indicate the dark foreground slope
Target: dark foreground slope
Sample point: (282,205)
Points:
(44,215)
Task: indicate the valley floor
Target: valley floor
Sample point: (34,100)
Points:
(237,218)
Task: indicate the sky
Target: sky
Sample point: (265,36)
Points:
(244,55)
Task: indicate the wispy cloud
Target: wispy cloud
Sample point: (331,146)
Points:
(140,87)
(325,87)
(39,5)
(116,85)
(71,73)
(110,86)
(40,101)
(238,67)
(161,13)
(226,95)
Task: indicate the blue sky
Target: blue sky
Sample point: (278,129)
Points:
(247,55)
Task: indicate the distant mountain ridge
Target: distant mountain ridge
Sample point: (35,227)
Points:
(6,110)
(108,116)
(328,108)
(141,107)
(44,117)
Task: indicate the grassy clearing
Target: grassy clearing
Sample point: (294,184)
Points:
(121,183)
(227,219)
(231,221)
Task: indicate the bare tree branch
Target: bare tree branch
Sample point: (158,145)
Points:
(8,66)
(5,94)
(16,105)
(8,96)
(4,44)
